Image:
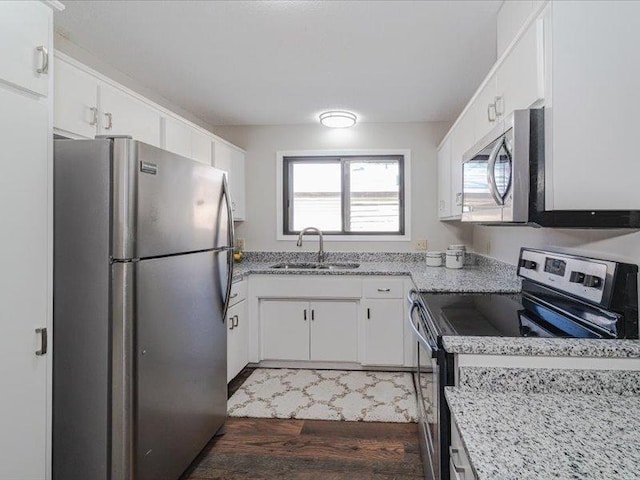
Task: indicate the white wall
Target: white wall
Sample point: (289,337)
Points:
(262,143)
(504,243)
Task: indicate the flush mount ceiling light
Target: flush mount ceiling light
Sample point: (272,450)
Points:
(338,119)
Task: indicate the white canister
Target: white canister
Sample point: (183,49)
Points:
(434,259)
(455,259)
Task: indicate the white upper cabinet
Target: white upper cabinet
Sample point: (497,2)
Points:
(595,99)
(201,147)
(122,114)
(75,100)
(511,17)
(25,55)
(484,110)
(462,138)
(177,137)
(444,179)
(232,161)
(521,76)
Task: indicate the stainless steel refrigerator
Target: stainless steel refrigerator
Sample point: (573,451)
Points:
(143,258)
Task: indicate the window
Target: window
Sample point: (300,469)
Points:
(344,195)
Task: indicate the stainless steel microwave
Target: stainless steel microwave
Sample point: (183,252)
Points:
(503,180)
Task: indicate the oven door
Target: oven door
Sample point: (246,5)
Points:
(426,379)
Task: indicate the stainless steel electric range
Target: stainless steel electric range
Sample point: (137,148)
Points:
(563,296)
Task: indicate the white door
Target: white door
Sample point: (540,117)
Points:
(284,328)
(384,332)
(237,184)
(26,55)
(177,137)
(334,331)
(237,340)
(123,114)
(24,297)
(75,100)
(444,179)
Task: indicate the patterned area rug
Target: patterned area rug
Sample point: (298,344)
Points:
(326,395)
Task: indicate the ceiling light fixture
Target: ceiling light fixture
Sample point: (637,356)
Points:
(338,119)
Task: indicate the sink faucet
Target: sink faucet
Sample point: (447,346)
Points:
(319,233)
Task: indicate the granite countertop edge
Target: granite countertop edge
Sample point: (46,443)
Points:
(550,347)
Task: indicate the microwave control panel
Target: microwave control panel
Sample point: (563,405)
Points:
(585,278)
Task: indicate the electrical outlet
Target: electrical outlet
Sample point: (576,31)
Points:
(421,244)
(240,244)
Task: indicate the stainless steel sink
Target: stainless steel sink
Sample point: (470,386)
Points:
(316,266)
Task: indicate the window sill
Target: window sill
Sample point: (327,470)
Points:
(350,238)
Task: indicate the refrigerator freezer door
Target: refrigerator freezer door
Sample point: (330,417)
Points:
(163,203)
(181,361)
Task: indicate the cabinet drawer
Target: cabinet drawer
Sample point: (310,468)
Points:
(238,292)
(384,288)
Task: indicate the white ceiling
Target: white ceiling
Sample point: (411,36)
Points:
(283,62)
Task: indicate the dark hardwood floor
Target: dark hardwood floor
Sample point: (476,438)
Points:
(269,449)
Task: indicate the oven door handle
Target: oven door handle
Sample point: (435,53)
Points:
(431,346)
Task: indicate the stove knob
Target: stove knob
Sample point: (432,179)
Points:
(577,277)
(592,281)
(528,264)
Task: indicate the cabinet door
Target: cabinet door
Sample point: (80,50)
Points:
(485,109)
(24,285)
(201,147)
(177,137)
(520,78)
(25,29)
(123,114)
(75,100)
(384,332)
(284,329)
(444,179)
(237,340)
(222,156)
(462,139)
(237,184)
(334,331)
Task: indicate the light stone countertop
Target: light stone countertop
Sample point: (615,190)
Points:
(484,275)
(548,435)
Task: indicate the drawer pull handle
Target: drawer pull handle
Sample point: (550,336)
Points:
(109,118)
(456,467)
(43,342)
(94,116)
(44,62)
(384,290)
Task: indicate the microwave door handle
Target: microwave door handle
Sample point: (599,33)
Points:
(491,173)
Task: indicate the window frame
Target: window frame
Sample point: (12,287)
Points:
(285,160)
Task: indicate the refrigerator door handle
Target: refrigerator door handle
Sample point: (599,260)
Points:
(230,244)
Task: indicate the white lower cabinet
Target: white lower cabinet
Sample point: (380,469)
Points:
(334,331)
(383,332)
(302,330)
(237,339)
(284,329)
(459,463)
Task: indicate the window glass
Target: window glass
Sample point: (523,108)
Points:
(344,195)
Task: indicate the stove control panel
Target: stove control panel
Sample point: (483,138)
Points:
(582,277)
